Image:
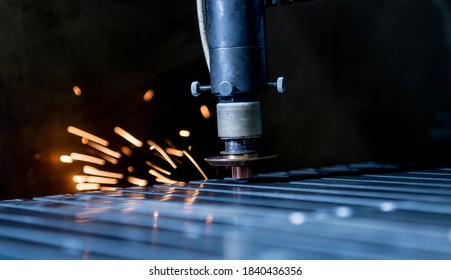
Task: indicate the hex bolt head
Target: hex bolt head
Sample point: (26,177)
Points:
(281,85)
(225,88)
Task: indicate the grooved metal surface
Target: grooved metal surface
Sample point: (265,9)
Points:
(359,211)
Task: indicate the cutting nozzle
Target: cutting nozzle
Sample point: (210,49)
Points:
(241,165)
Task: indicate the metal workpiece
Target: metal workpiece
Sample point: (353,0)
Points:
(239,120)
(359,211)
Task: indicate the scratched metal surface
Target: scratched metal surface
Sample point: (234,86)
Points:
(358,211)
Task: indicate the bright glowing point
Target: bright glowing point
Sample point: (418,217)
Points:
(101,180)
(136,181)
(94,171)
(89,136)
(161,178)
(79,178)
(162,152)
(66,159)
(127,136)
(82,157)
(87,187)
(103,149)
(126,151)
(184,133)
(296,218)
(195,164)
(204,111)
(76,90)
(158,168)
(174,152)
(148,95)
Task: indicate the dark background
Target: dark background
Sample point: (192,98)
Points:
(367,81)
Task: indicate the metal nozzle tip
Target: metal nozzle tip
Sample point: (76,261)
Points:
(241,172)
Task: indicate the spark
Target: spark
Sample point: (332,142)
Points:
(158,168)
(87,187)
(89,136)
(163,153)
(101,180)
(110,159)
(76,90)
(94,171)
(127,151)
(204,111)
(184,133)
(66,159)
(130,169)
(79,178)
(103,149)
(174,152)
(195,164)
(137,181)
(82,157)
(161,178)
(127,136)
(105,188)
(148,95)
(169,142)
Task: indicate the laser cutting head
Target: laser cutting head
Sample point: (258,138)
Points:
(236,53)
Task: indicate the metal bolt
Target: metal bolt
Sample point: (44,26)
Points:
(225,88)
(197,88)
(280,85)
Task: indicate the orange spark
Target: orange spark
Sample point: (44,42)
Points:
(136,181)
(162,152)
(148,95)
(130,169)
(158,168)
(101,180)
(66,159)
(79,178)
(110,159)
(76,90)
(82,157)
(87,187)
(89,136)
(195,164)
(127,151)
(174,152)
(184,133)
(104,188)
(127,136)
(204,111)
(103,149)
(161,178)
(94,171)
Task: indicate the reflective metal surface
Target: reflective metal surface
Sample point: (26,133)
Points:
(361,211)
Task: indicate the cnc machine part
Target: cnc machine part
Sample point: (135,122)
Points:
(235,35)
(239,120)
